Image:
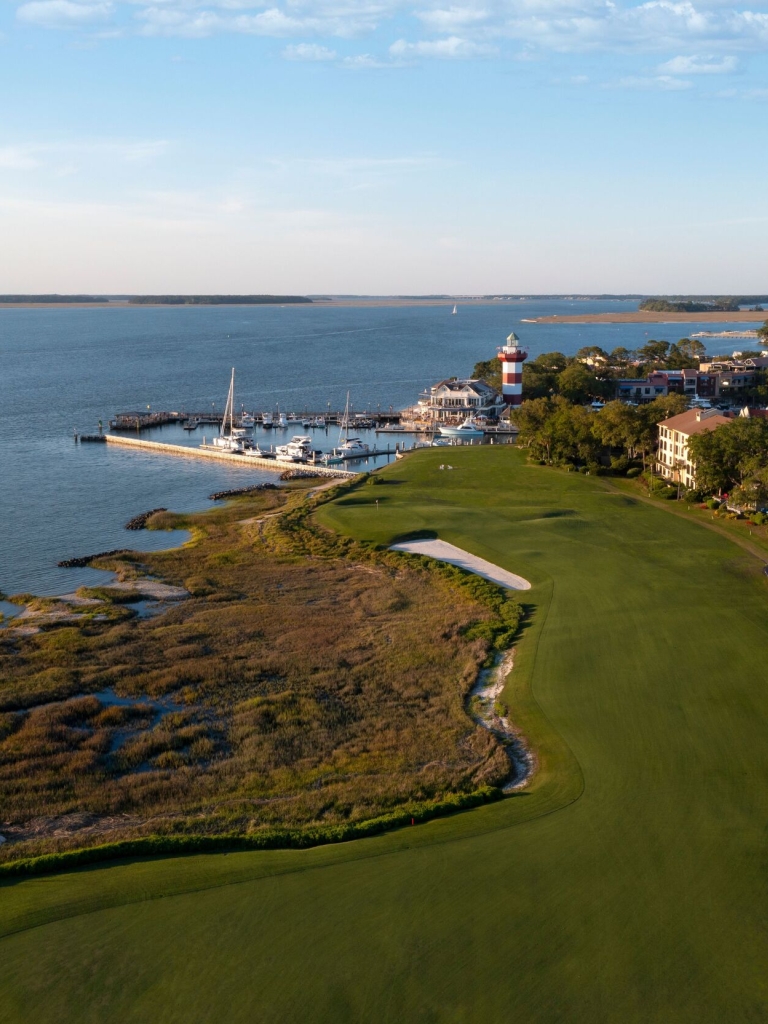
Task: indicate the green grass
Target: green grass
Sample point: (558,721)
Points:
(627,886)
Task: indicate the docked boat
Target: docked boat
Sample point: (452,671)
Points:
(266,420)
(247,420)
(353,447)
(256,452)
(348,447)
(298,449)
(230,439)
(192,424)
(467,430)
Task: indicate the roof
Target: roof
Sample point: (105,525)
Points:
(695,421)
(456,384)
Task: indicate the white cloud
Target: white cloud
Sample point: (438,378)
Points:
(453,47)
(308,52)
(696,65)
(452,19)
(62,13)
(366,61)
(18,158)
(666,83)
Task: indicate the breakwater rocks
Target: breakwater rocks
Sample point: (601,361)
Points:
(78,563)
(237,491)
(299,474)
(139,522)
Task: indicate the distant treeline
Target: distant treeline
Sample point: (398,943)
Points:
(700,303)
(51,298)
(216,300)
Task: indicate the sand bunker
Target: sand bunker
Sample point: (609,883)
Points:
(445,552)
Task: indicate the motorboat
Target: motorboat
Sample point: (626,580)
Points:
(266,420)
(192,424)
(255,452)
(247,420)
(468,430)
(298,449)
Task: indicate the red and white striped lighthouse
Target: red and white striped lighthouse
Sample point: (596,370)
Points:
(512,358)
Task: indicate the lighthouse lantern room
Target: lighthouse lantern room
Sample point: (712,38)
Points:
(512,357)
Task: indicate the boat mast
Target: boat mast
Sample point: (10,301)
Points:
(345,422)
(231,402)
(228,407)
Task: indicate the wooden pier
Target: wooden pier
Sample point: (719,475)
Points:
(244,461)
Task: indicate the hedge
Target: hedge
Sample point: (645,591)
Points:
(269,839)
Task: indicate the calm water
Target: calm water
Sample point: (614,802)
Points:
(67,369)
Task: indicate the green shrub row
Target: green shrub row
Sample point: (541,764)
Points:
(268,839)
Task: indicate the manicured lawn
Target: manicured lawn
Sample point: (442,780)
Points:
(628,885)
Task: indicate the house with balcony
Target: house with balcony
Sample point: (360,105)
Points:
(454,399)
(672,459)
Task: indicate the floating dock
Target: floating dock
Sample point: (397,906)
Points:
(244,461)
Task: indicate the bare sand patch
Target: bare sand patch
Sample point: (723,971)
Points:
(445,552)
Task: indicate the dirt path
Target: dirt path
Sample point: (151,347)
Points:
(445,552)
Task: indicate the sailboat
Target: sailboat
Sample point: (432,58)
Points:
(229,439)
(454,311)
(350,447)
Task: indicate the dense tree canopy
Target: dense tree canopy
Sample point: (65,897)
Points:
(558,431)
(733,457)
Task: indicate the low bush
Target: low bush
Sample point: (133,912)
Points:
(634,471)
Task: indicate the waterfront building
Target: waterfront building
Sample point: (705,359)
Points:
(672,459)
(453,400)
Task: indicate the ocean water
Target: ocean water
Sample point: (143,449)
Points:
(63,370)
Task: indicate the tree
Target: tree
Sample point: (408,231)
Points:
(619,425)
(594,354)
(579,384)
(692,347)
(540,374)
(489,370)
(654,352)
(729,455)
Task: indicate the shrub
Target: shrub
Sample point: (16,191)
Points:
(759,518)
(620,465)
(633,472)
(713,503)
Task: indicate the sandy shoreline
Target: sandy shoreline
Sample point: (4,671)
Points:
(642,317)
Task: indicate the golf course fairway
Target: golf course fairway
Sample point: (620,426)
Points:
(626,884)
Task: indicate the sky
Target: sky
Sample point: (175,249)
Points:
(383,146)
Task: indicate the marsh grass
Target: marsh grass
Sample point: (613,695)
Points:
(323,681)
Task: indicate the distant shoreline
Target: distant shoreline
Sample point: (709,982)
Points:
(314,304)
(647,317)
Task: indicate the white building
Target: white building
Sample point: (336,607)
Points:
(453,400)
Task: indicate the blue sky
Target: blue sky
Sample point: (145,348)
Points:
(383,147)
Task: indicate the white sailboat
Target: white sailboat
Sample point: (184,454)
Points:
(349,447)
(230,439)
(454,311)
